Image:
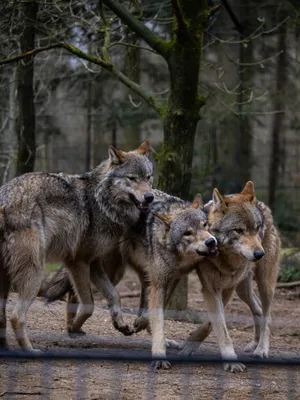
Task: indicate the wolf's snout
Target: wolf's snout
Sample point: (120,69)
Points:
(211,242)
(258,254)
(148,197)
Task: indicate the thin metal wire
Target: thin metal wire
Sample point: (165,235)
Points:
(118,360)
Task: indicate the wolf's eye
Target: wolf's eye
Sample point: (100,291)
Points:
(238,231)
(204,224)
(187,233)
(131,178)
(149,177)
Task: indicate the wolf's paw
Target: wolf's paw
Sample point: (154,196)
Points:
(140,324)
(123,328)
(187,348)
(156,365)
(250,347)
(172,344)
(261,352)
(234,367)
(36,352)
(77,334)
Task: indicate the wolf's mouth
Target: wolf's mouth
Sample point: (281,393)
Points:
(210,253)
(142,206)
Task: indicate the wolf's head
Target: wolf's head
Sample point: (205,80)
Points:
(125,184)
(184,232)
(237,222)
(131,175)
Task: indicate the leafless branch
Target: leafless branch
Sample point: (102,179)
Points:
(153,40)
(131,45)
(232,110)
(145,95)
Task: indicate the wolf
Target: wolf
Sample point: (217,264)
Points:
(177,238)
(248,244)
(76,220)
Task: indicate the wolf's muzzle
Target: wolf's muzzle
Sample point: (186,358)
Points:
(149,197)
(212,249)
(211,242)
(258,254)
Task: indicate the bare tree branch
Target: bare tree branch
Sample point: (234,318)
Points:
(153,40)
(131,45)
(144,94)
(29,53)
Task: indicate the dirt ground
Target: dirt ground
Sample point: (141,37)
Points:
(107,380)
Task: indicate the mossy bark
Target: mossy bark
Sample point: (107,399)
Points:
(182,113)
(132,131)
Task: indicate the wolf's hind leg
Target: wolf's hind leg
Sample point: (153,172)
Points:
(26,273)
(246,293)
(80,277)
(71,310)
(266,278)
(4,290)
(111,294)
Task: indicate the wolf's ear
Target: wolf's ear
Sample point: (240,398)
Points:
(145,149)
(218,201)
(166,219)
(116,156)
(198,202)
(249,192)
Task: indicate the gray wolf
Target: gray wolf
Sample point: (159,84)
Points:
(177,238)
(76,220)
(248,244)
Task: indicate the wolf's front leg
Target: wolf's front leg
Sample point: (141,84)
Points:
(157,296)
(103,283)
(216,315)
(199,335)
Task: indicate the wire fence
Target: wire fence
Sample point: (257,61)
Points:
(81,373)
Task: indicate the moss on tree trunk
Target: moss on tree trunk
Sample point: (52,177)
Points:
(182,113)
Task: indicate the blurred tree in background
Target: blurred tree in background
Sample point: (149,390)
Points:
(213,85)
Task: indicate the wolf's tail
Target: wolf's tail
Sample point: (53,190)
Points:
(58,286)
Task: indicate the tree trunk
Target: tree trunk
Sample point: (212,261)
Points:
(26,139)
(244,136)
(182,114)
(89,157)
(281,78)
(89,161)
(133,67)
